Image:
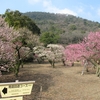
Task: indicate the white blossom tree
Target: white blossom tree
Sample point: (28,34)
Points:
(52,53)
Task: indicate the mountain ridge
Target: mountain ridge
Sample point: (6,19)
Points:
(72,29)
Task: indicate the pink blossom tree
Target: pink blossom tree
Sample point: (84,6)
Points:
(88,49)
(11,43)
(9,52)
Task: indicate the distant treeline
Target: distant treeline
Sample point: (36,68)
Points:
(71,29)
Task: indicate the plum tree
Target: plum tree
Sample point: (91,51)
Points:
(88,49)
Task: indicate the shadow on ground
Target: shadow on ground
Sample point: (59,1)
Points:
(42,83)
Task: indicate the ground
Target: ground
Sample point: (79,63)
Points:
(59,83)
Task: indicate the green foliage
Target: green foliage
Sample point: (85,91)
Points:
(17,20)
(41,15)
(49,38)
(71,29)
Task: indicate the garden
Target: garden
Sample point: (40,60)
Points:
(60,72)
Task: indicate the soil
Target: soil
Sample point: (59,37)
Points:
(59,83)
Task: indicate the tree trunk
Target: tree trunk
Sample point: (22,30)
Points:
(98,71)
(18,62)
(17,67)
(63,61)
(52,62)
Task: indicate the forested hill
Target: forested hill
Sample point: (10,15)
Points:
(71,28)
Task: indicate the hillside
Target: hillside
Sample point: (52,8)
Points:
(72,29)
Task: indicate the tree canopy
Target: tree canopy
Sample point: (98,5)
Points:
(88,49)
(49,38)
(17,20)
(71,29)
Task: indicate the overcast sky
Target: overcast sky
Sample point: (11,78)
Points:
(88,9)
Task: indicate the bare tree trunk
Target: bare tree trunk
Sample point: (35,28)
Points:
(98,71)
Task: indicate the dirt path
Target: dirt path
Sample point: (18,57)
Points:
(60,83)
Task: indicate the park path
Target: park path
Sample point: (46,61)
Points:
(67,83)
(59,83)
